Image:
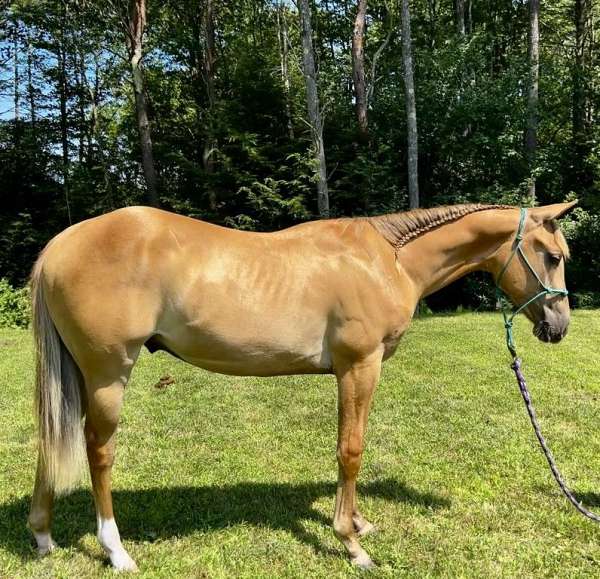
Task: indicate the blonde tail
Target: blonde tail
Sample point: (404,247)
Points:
(59,408)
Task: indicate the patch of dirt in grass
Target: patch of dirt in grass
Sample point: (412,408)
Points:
(164,381)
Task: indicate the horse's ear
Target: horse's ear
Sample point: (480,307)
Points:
(549,212)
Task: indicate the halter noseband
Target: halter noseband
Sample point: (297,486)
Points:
(510,313)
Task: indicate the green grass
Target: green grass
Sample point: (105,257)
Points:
(235,477)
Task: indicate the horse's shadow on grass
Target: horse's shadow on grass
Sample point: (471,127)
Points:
(162,513)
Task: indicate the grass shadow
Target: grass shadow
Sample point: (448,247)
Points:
(589,500)
(162,513)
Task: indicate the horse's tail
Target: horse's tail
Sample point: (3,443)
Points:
(58,393)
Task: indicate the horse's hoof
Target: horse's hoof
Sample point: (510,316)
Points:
(45,544)
(121,561)
(367,529)
(363,561)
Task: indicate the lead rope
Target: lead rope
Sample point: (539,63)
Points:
(516,364)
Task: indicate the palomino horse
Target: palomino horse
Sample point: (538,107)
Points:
(326,297)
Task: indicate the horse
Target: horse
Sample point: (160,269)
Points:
(324,297)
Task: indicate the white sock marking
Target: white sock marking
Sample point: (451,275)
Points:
(108,535)
(44,541)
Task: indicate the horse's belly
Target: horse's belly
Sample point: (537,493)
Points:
(249,366)
(259,354)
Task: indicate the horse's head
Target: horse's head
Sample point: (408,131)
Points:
(537,266)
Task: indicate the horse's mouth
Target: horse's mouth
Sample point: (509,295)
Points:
(546,333)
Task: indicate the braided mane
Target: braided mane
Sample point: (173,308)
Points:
(400,228)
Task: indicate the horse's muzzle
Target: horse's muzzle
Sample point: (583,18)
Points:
(546,332)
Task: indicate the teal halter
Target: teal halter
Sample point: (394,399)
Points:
(507,312)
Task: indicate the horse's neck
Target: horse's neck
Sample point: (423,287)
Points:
(443,255)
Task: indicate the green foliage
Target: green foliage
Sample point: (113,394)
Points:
(471,107)
(582,230)
(15,306)
(586,300)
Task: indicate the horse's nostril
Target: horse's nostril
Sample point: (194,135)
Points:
(545,332)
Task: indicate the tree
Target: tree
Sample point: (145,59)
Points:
(210,144)
(61,58)
(583,9)
(30,88)
(284,46)
(16,82)
(135,32)
(411,109)
(532,95)
(459,6)
(358,69)
(314,112)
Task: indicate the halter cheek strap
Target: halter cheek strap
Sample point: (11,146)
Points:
(508,312)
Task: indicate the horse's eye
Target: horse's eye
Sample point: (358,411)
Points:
(555,258)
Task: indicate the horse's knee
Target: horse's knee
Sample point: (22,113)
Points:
(349,455)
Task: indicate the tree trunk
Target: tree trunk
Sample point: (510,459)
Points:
(136,25)
(79,66)
(358,69)
(581,138)
(17,97)
(469,17)
(582,15)
(62,88)
(210,144)
(30,88)
(314,113)
(411,110)
(532,99)
(459,6)
(17,82)
(94,94)
(284,46)
(432,11)
(62,94)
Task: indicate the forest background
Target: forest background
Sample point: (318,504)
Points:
(258,114)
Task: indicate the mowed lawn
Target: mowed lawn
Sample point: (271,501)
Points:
(235,477)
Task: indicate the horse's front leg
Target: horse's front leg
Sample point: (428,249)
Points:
(356,382)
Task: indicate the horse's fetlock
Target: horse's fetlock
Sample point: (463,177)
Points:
(342,529)
(38,521)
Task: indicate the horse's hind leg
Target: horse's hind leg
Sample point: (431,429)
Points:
(104,402)
(104,407)
(40,515)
